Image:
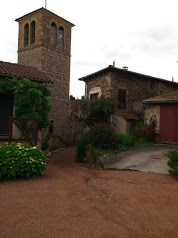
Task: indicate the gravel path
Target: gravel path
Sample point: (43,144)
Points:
(74,200)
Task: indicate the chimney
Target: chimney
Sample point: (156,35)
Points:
(172,79)
(125,68)
(113,63)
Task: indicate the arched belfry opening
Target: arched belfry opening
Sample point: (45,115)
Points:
(53,34)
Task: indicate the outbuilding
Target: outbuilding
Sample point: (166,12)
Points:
(164,109)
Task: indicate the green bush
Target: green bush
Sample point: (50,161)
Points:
(139,130)
(173,162)
(101,109)
(21,161)
(150,134)
(125,141)
(81,147)
(45,145)
(96,111)
(139,142)
(102,135)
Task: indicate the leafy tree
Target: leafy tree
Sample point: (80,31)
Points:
(72,97)
(93,111)
(95,114)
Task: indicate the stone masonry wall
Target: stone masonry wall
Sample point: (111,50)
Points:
(102,81)
(54,63)
(66,128)
(137,88)
(43,21)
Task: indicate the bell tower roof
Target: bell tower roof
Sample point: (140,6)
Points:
(44,10)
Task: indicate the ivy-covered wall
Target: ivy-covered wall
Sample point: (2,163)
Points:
(31,99)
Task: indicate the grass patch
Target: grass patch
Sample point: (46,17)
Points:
(173,162)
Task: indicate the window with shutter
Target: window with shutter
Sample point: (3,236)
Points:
(121,98)
(94,96)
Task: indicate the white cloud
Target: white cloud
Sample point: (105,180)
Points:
(140,34)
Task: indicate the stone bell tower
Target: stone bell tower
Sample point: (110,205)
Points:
(45,43)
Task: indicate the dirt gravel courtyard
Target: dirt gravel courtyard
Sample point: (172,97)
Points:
(75,200)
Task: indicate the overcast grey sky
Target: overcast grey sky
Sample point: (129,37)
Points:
(140,34)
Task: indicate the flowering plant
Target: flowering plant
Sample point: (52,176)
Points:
(21,161)
(150,133)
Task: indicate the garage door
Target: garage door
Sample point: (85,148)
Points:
(6,111)
(169,123)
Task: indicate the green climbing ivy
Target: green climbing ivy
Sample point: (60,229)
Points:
(31,99)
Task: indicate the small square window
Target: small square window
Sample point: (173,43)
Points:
(152,85)
(94,96)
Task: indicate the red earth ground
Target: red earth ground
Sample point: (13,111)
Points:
(81,201)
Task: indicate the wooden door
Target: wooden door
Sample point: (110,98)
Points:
(169,123)
(6,111)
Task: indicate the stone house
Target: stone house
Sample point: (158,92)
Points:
(127,89)
(44,43)
(164,109)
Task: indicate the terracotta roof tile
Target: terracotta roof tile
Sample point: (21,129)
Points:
(127,115)
(43,10)
(22,71)
(111,68)
(165,98)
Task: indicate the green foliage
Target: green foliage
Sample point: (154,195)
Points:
(125,141)
(139,142)
(95,114)
(71,97)
(9,85)
(31,99)
(101,109)
(102,135)
(150,130)
(45,145)
(139,129)
(21,161)
(96,110)
(173,162)
(81,147)
(102,139)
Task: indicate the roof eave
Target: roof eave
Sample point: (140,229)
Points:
(113,68)
(160,102)
(30,78)
(44,9)
(87,77)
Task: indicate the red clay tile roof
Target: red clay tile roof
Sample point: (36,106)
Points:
(44,10)
(22,71)
(165,98)
(126,115)
(112,68)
